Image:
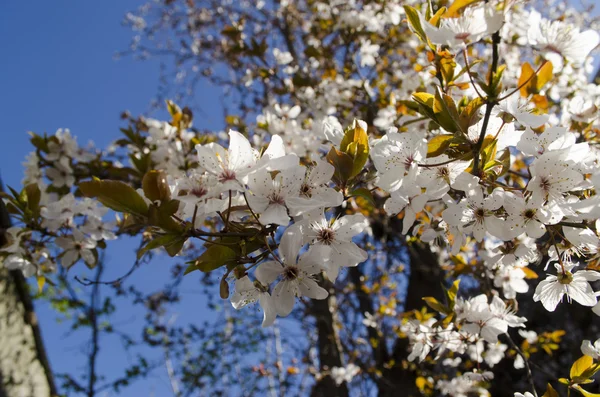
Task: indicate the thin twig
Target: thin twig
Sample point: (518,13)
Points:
(526,360)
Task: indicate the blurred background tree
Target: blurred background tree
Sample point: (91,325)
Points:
(327,58)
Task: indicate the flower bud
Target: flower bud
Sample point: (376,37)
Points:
(224,289)
(155,186)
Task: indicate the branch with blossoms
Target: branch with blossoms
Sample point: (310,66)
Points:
(485,169)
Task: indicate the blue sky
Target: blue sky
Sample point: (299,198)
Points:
(58,71)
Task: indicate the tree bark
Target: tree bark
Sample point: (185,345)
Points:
(426,279)
(329,350)
(24,366)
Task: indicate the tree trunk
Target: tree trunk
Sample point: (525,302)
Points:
(24,366)
(426,279)
(329,350)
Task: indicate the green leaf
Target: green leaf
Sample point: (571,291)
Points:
(214,257)
(191,268)
(452,293)
(155,186)
(39,142)
(172,243)
(414,22)
(115,195)
(446,112)
(342,164)
(424,98)
(438,145)
(356,145)
(33,194)
(364,193)
(161,216)
(141,164)
(436,305)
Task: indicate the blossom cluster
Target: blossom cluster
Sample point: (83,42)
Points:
(495,174)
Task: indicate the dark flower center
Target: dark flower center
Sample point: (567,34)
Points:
(408,162)
(275,198)
(529,214)
(199,191)
(545,184)
(306,190)
(291,273)
(479,214)
(326,236)
(227,175)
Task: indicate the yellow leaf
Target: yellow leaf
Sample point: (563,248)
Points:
(435,305)
(435,20)
(580,366)
(531,83)
(447,64)
(438,145)
(452,292)
(585,392)
(550,391)
(356,145)
(424,98)
(414,23)
(529,274)
(457,6)
(541,102)
(172,107)
(527,73)
(421,382)
(41,281)
(544,75)
(330,74)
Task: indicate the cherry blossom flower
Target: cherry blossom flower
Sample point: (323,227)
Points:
(552,178)
(529,217)
(270,193)
(75,247)
(472,26)
(591,350)
(526,394)
(512,281)
(476,214)
(561,38)
(521,110)
(344,374)
(553,138)
(396,157)
(481,320)
(247,292)
(334,238)
(410,200)
(231,166)
(296,273)
(314,192)
(368,53)
(61,173)
(576,286)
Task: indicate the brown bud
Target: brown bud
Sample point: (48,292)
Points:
(239,272)
(155,186)
(224,289)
